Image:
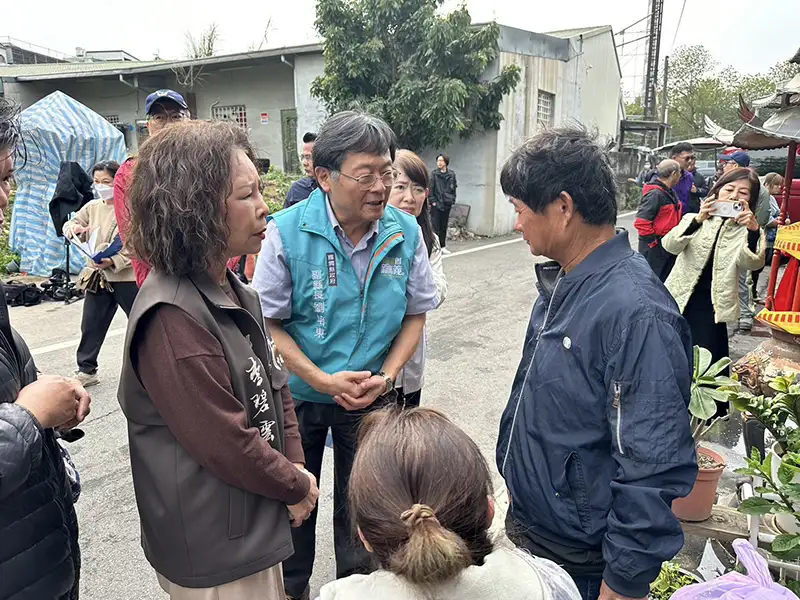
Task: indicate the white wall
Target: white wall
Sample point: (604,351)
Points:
(310,111)
(472,161)
(593,62)
(267,87)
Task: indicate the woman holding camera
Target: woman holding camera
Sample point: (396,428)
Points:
(711,248)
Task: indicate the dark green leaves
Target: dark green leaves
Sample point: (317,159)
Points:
(422,72)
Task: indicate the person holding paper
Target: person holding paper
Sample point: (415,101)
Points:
(108,279)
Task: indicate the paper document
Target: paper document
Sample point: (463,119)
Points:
(89,247)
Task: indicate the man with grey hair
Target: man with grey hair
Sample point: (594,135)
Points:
(659,211)
(345,283)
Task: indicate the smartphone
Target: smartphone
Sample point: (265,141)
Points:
(724,208)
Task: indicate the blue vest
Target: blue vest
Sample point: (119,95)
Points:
(336,323)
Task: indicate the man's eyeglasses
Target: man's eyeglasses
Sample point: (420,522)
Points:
(365,182)
(305,158)
(168,117)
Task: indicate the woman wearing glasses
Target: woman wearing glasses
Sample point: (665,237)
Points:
(410,194)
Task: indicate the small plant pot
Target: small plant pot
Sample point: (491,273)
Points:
(698,504)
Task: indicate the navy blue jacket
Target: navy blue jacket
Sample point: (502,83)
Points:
(595,442)
(300,190)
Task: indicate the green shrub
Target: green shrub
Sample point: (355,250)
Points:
(6,255)
(276,186)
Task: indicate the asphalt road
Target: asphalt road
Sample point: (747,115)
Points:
(475,341)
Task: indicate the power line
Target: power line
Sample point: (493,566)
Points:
(678,27)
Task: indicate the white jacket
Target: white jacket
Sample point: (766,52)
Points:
(412,377)
(731,255)
(505,575)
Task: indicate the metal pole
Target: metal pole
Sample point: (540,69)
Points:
(664,91)
(776,256)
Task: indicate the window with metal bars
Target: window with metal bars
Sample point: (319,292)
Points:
(236,114)
(113,119)
(544,109)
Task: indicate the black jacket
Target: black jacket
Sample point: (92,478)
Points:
(443,188)
(39,557)
(73,190)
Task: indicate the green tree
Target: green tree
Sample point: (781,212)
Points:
(698,87)
(420,71)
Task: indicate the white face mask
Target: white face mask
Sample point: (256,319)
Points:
(105,192)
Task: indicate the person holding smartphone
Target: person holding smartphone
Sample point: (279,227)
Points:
(711,247)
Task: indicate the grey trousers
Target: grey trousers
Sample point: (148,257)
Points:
(747,307)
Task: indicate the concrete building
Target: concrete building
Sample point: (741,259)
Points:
(572,74)
(564,75)
(266,92)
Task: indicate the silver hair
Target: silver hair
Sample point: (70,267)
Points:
(667,168)
(352,132)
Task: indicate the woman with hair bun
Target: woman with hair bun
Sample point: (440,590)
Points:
(428,528)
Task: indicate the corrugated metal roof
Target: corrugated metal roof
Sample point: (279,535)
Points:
(98,69)
(65,68)
(584,31)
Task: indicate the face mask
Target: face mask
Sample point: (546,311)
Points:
(105,192)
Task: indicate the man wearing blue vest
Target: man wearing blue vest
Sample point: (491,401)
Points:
(345,283)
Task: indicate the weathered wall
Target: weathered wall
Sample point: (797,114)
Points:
(310,111)
(265,87)
(595,61)
(472,161)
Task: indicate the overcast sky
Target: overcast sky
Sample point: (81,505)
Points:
(747,34)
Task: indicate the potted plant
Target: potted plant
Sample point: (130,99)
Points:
(708,389)
(670,579)
(780,468)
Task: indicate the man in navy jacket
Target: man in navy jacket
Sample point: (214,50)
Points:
(595,442)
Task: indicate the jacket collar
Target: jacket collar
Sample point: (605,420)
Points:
(315,219)
(212,291)
(614,250)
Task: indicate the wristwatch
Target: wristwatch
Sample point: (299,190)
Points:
(389,382)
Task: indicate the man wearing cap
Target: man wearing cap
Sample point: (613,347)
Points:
(162,108)
(736,160)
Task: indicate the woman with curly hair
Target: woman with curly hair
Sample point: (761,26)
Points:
(216,458)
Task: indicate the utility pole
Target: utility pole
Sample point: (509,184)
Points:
(651,67)
(664,102)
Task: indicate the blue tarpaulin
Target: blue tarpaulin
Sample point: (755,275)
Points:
(57,128)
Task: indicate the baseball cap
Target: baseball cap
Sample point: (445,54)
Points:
(740,158)
(164,95)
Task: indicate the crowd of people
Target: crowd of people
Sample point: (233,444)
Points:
(231,390)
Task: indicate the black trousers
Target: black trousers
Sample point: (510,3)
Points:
(440,216)
(315,419)
(411,400)
(98,312)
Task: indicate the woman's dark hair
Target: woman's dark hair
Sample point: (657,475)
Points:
(11,139)
(563,159)
(177,199)
(445,158)
(109,166)
(414,168)
(737,175)
(419,494)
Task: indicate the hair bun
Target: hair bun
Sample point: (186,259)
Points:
(417,514)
